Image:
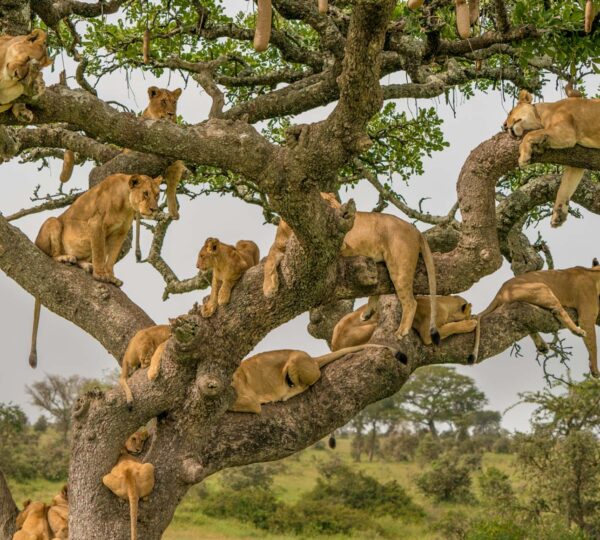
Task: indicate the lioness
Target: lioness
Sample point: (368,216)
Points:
(228,265)
(21,59)
(562,124)
(32,522)
(130,479)
(576,287)
(279,375)
(90,233)
(453,317)
(58,515)
(139,352)
(381,237)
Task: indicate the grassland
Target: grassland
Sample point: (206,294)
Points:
(299,475)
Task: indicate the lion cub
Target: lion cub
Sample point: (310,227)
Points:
(130,479)
(562,124)
(91,232)
(381,237)
(453,317)
(58,515)
(279,375)
(576,288)
(32,523)
(139,353)
(228,265)
(21,59)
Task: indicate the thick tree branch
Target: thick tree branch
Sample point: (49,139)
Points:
(52,11)
(8,510)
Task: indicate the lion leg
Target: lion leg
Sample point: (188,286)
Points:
(531,139)
(225,292)
(246,404)
(402,275)
(114,243)
(587,321)
(458,327)
(210,307)
(22,113)
(540,345)
(155,362)
(271,279)
(371,308)
(174,173)
(568,184)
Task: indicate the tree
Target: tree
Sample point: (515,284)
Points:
(56,396)
(439,394)
(314,60)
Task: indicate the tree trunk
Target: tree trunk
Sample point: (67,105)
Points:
(8,510)
(15,17)
(432,429)
(372,441)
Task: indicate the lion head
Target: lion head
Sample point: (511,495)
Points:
(143,193)
(207,254)
(163,104)
(524,117)
(301,372)
(20,50)
(458,308)
(135,443)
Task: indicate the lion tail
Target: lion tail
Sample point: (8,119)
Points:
(430,267)
(330,357)
(133,501)
(36,322)
(123,382)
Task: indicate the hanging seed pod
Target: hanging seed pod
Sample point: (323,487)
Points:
(463,23)
(323,6)
(478,64)
(67,167)
(262,32)
(473,11)
(589,16)
(146,46)
(415,4)
(572,92)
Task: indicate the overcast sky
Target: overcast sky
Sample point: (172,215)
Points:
(64,348)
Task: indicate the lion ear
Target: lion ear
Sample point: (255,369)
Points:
(37,35)
(47,62)
(26,503)
(525,97)
(153,91)
(177,93)
(158,180)
(134,181)
(595,263)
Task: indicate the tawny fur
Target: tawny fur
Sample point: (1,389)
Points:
(562,124)
(139,353)
(453,317)
(91,232)
(32,522)
(555,290)
(262,31)
(228,265)
(278,376)
(130,479)
(381,237)
(58,515)
(21,59)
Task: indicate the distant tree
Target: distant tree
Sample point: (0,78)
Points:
(438,394)
(56,395)
(561,456)
(41,424)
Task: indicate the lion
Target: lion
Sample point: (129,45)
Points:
(453,317)
(32,522)
(58,515)
(130,479)
(21,59)
(279,375)
(562,124)
(228,265)
(139,352)
(90,233)
(576,287)
(381,237)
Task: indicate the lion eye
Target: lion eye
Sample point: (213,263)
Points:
(146,194)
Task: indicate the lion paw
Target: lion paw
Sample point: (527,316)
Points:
(559,216)
(524,160)
(108,278)
(66,259)
(269,289)
(401,333)
(87,266)
(208,310)
(579,331)
(594,372)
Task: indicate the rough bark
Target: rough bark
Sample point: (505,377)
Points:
(15,17)
(8,510)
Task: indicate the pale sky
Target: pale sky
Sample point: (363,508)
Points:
(65,349)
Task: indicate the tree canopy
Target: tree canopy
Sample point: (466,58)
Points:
(354,61)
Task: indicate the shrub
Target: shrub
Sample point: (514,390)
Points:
(258,475)
(400,446)
(448,480)
(496,490)
(496,529)
(429,449)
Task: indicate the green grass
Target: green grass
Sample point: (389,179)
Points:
(299,476)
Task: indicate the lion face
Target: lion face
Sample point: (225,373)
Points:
(20,51)
(458,309)
(135,443)
(143,193)
(163,104)
(523,117)
(301,372)
(207,254)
